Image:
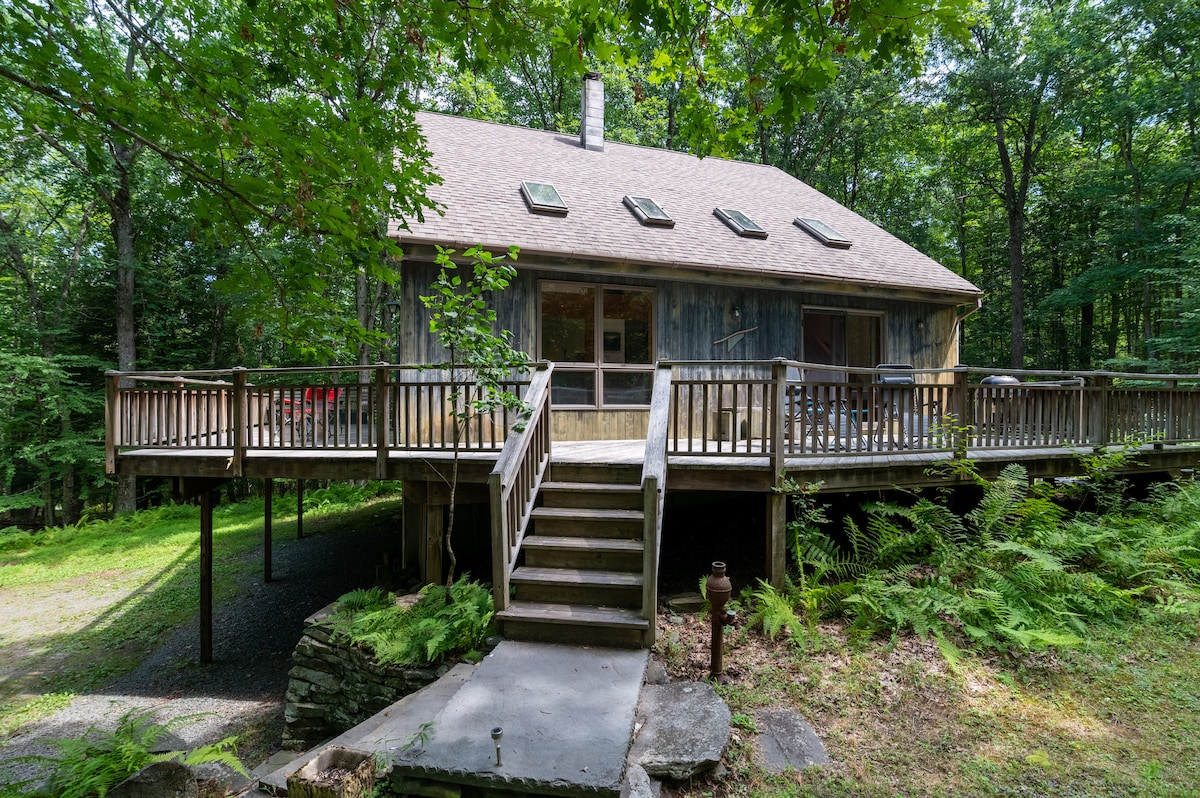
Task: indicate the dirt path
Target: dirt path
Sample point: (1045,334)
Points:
(254,633)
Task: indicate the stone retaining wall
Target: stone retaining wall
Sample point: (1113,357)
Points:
(332,687)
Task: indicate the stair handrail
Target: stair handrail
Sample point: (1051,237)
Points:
(514,482)
(654,484)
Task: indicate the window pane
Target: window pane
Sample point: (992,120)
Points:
(863,341)
(569,324)
(628,387)
(573,387)
(544,194)
(627,326)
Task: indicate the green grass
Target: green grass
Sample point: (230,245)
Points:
(129,582)
(1118,716)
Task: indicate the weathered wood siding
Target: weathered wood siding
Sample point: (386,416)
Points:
(693,321)
(605,424)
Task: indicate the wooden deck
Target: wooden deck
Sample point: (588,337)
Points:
(714,426)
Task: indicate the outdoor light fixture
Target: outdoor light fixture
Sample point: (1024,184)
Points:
(497,733)
(736,312)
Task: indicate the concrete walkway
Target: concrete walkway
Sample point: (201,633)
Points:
(567,713)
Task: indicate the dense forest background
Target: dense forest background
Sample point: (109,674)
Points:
(172,198)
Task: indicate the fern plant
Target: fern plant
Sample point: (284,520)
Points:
(90,765)
(429,631)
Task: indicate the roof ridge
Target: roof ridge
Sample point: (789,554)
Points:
(607,141)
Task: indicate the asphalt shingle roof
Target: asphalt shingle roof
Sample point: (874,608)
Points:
(482,165)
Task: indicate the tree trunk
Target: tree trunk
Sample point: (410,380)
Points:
(1016,271)
(1087,326)
(120,206)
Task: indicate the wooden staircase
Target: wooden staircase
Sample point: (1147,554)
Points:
(579,576)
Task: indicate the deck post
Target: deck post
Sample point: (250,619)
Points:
(779,412)
(1100,435)
(500,548)
(268,495)
(1169,432)
(777,501)
(434,531)
(111,392)
(776,538)
(206,575)
(238,422)
(382,415)
(963,409)
(299,509)
(410,510)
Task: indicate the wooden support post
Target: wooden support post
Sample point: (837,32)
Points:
(382,414)
(964,409)
(776,539)
(778,418)
(299,509)
(206,576)
(435,515)
(411,545)
(1169,433)
(268,495)
(1100,434)
(112,435)
(237,423)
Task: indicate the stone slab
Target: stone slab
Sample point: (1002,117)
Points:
(412,709)
(159,780)
(567,713)
(684,730)
(786,740)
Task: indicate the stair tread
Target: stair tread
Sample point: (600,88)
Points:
(576,576)
(582,544)
(588,514)
(581,614)
(593,487)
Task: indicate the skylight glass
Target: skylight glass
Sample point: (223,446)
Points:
(739,222)
(827,235)
(648,211)
(543,198)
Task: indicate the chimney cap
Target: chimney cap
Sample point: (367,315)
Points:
(591,76)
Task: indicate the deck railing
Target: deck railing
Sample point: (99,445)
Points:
(378,408)
(741,409)
(654,489)
(515,480)
(771,408)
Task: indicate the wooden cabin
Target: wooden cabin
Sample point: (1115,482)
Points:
(633,255)
(699,326)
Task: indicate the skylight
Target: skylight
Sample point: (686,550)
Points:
(822,232)
(739,222)
(543,198)
(648,212)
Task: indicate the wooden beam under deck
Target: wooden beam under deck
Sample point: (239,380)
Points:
(838,472)
(337,465)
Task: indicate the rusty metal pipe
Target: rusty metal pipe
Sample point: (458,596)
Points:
(719,590)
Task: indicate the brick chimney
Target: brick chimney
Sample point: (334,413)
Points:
(591,116)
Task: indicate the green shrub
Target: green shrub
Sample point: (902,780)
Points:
(90,765)
(1015,572)
(428,632)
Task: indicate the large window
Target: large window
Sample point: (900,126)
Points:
(842,338)
(600,338)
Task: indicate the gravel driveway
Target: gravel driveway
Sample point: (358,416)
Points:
(253,636)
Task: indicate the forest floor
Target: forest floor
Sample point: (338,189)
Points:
(108,624)
(1116,717)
